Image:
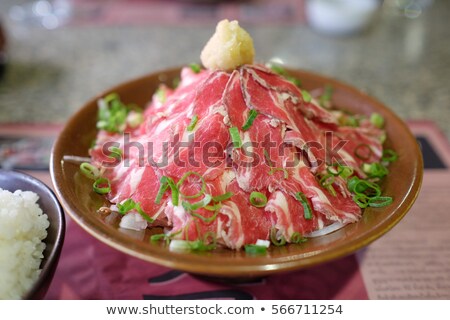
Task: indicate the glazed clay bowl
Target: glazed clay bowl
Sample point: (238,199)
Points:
(48,202)
(78,199)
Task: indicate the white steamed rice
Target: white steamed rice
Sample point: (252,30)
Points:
(22,231)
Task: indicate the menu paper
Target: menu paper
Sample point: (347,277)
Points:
(412,261)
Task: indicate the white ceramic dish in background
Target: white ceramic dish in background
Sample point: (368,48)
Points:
(341,17)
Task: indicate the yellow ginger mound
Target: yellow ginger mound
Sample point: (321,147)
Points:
(230,47)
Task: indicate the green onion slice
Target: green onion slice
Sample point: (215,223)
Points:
(335,169)
(258,199)
(235,137)
(306,96)
(361,200)
(377,120)
(202,188)
(389,155)
(325,98)
(159,236)
(102,186)
(223,197)
(165,183)
(193,122)
(126,206)
(285,172)
(375,170)
(205,219)
(197,205)
(143,214)
(161,95)
(195,67)
(267,157)
(363,151)
(346,172)
(297,238)
(251,117)
(307,212)
(89,171)
(254,249)
(115,153)
(273,238)
(378,202)
(112,114)
(163,186)
(359,186)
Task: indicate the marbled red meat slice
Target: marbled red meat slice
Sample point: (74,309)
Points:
(288,216)
(257,157)
(246,223)
(334,208)
(288,90)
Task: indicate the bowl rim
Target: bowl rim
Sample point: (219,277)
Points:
(253,268)
(40,286)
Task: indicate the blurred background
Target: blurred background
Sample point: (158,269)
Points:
(60,53)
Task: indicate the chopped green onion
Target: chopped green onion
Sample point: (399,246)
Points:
(193,122)
(235,137)
(361,200)
(129,205)
(293,80)
(174,189)
(195,67)
(214,207)
(378,202)
(363,151)
(346,172)
(102,186)
(375,170)
(254,249)
(327,182)
(143,214)
(197,205)
(159,236)
(273,238)
(285,172)
(251,117)
(89,171)
(258,199)
(126,206)
(389,155)
(204,219)
(297,238)
(307,212)
(359,186)
(176,82)
(377,120)
(115,153)
(165,183)
(306,96)
(163,186)
(335,169)
(223,197)
(184,177)
(325,98)
(277,69)
(267,157)
(112,114)
(161,95)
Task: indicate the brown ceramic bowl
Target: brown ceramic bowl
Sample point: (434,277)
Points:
(12,180)
(75,193)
